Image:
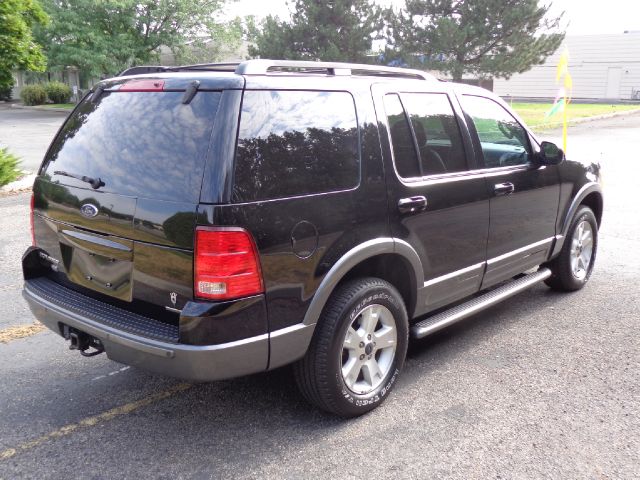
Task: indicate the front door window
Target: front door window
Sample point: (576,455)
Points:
(503,140)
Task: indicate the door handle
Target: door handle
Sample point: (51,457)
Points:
(412,204)
(505,188)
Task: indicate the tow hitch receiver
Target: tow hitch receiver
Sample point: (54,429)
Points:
(82,342)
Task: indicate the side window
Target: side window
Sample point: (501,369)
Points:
(404,152)
(503,140)
(437,132)
(295,143)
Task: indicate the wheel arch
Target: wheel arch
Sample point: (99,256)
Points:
(372,258)
(593,200)
(589,195)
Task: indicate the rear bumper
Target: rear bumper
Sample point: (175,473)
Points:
(190,362)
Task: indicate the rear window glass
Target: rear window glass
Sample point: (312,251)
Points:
(294,143)
(142,144)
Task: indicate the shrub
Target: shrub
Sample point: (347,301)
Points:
(33,95)
(58,92)
(5,92)
(8,167)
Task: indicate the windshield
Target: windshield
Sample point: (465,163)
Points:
(142,144)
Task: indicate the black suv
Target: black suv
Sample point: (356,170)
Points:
(212,221)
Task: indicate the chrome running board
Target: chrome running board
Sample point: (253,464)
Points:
(477,304)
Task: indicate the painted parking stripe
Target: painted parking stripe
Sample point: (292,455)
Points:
(94,420)
(111,374)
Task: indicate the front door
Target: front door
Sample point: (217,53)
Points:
(436,203)
(524,196)
(614,79)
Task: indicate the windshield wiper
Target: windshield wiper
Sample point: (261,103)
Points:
(96,183)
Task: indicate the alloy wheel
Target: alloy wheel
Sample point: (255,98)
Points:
(369,349)
(581,250)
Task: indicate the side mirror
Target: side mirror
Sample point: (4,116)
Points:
(550,153)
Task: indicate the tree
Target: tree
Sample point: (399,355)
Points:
(481,37)
(339,30)
(18,50)
(105,36)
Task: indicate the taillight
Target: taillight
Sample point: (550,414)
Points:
(226,264)
(33,232)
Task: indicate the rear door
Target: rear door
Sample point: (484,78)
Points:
(437,203)
(524,195)
(132,237)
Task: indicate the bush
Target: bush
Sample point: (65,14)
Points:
(5,92)
(8,167)
(33,95)
(58,92)
(6,84)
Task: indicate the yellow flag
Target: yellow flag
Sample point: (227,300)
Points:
(563,65)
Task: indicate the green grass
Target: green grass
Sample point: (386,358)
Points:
(68,106)
(534,113)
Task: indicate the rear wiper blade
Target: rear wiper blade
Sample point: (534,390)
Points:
(94,182)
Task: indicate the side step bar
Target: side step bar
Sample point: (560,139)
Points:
(475,305)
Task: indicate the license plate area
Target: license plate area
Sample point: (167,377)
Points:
(100,263)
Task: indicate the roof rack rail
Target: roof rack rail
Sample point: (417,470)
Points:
(263,67)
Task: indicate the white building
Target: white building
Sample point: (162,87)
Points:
(602,67)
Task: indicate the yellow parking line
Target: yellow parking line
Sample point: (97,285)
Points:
(94,420)
(20,331)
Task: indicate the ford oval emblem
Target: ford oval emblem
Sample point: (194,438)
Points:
(88,210)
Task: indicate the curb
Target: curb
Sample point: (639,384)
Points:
(23,184)
(42,109)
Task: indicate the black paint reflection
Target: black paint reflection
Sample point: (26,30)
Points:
(145,144)
(295,143)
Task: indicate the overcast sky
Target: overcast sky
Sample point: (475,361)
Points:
(584,17)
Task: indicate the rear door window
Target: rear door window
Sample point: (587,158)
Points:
(293,143)
(437,133)
(141,144)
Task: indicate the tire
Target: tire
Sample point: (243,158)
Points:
(572,268)
(353,308)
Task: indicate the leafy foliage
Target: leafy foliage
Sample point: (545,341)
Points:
(8,167)
(105,37)
(5,92)
(340,30)
(480,37)
(33,94)
(18,49)
(58,92)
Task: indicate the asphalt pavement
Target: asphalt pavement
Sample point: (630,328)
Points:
(545,385)
(28,133)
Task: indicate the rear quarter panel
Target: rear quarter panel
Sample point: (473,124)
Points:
(341,219)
